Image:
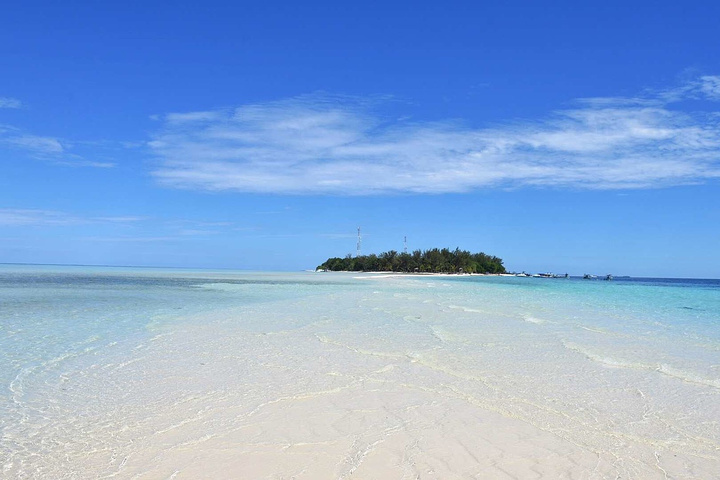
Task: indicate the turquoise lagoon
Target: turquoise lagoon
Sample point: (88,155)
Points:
(160,373)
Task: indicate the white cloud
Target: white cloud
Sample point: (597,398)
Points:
(335,145)
(197,232)
(127,239)
(704,87)
(710,86)
(188,117)
(50,149)
(33,217)
(14,217)
(7,102)
(36,144)
(143,229)
(197,224)
(120,219)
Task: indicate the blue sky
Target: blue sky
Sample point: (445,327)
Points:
(559,136)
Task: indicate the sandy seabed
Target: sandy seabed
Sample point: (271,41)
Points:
(398,381)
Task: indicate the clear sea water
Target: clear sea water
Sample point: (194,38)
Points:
(113,372)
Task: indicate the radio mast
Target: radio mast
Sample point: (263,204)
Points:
(359,243)
(405,244)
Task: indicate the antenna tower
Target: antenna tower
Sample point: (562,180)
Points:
(405,244)
(359,243)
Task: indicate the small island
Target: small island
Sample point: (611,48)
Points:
(419,261)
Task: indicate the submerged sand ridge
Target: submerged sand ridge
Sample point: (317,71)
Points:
(382,379)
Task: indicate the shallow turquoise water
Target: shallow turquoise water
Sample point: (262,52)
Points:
(668,324)
(74,350)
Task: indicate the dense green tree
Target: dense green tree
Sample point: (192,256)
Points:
(433,260)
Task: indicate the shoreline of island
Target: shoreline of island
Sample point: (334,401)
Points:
(378,273)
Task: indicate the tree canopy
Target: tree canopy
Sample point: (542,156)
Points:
(431,261)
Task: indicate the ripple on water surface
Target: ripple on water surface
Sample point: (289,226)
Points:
(316,376)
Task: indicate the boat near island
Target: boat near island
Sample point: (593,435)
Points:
(542,275)
(545,275)
(588,276)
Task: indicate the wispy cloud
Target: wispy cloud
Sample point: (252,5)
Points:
(142,228)
(8,102)
(702,87)
(128,239)
(38,217)
(51,149)
(120,219)
(319,144)
(197,224)
(189,117)
(31,217)
(194,232)
(38,145)
(710,86)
